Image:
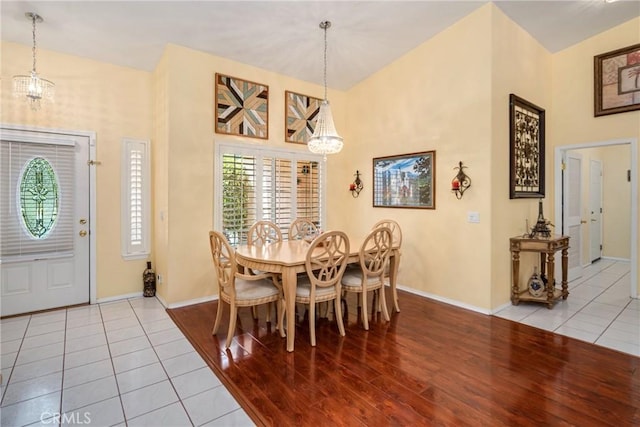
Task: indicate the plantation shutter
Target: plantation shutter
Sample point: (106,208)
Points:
(238,196)
(308,192)
(277,192)
(135,202)
(262,184)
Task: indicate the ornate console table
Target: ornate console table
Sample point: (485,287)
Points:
(546,247)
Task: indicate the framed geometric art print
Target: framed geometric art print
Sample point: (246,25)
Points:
(301,114)
(241,107)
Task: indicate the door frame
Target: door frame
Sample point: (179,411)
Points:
(633,143)
(91,136)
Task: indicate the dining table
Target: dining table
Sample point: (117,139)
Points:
(287,258)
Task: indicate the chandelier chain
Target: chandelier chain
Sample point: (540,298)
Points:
(325,60)
(33,32)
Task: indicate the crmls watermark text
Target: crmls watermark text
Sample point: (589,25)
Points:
(74,418)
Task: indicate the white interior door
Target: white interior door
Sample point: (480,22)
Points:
(44,220)
(595,210)
(572,201)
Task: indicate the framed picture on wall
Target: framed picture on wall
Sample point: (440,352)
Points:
(301,115)
(241,107)
(405,181)
(526,149)
(617,81)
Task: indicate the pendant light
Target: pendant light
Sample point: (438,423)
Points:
(32,88)
(325,139)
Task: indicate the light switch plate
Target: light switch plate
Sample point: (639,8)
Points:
(473,217)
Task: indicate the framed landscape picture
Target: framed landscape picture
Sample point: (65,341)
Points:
(301,114)
(405,181)
(241,107)
(617,81)
(526,149)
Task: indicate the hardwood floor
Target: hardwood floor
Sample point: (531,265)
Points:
(433,364)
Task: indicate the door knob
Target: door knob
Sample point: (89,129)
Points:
(83,221)
(82,233)
(582,221)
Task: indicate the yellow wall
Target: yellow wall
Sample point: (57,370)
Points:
(572,94)
(113,101)
(616,237)
(185,167)
(520,65)
(160,156)
(433,98)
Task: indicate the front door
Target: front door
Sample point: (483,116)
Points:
(44,220)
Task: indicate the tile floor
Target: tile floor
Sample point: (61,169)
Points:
(117,364)
(598,309)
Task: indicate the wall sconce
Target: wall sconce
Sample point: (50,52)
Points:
(461,182)
(356,186)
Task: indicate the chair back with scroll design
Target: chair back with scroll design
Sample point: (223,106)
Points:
(302,228)
(325,264)
(374,257)
(263,232)
(396,231)
(236,289)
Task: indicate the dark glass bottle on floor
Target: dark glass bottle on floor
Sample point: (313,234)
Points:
(149,280)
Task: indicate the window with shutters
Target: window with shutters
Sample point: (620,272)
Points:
(255,183)
(136,203)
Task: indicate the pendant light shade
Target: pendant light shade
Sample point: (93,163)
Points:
(325,139)
(32,88)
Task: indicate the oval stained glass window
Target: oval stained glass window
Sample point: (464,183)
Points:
(38,194)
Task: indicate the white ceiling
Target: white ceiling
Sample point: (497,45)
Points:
(283,36)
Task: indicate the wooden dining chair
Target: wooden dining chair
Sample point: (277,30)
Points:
(263,232)
(302,228)
(396,234)
(396,231)
(374,257)
(325,263)
(236,289)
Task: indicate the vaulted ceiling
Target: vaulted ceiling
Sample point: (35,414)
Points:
(284,36)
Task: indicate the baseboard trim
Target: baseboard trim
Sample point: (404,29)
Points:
(610,258)
(501,307)
(444,300)
(118,297)
(191,302)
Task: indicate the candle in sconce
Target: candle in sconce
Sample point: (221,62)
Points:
(352,187)
(455,185)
